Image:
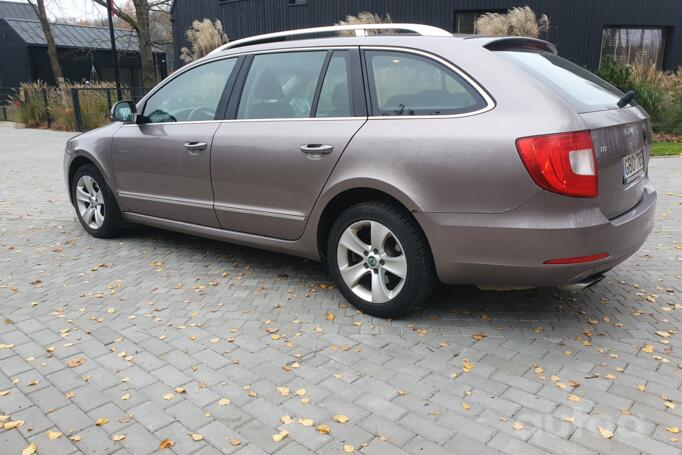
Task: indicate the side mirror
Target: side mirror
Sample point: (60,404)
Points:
(123,111)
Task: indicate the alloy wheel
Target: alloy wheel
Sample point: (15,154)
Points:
(90,201)
(372,261)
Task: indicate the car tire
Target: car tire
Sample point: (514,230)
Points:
(95,205)
(380,259)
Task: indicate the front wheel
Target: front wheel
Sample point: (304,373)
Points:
(95,205)
(380,259)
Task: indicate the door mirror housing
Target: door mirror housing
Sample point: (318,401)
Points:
(123,111)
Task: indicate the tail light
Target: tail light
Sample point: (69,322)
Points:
(562,163)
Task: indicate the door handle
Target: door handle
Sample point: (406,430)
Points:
(315,151)
(195,146)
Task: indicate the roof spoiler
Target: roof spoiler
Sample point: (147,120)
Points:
(508,43)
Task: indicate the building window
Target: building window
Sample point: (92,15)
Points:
(634,45)
(465,21)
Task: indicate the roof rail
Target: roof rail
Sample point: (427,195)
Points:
(359,29)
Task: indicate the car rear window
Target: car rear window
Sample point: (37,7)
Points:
(578,87)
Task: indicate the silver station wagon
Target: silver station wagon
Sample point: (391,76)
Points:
(400,155)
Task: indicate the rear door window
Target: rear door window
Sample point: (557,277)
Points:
(579,88)
(281,85)
(403,84)
(335,98)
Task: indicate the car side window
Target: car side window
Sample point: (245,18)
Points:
(404,84)
(192,96)
(335,100)
(281,85)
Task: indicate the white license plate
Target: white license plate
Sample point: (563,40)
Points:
(633,166)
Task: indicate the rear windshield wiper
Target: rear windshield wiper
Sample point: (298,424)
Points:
(626,99)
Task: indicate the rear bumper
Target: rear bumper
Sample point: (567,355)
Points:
(510,249)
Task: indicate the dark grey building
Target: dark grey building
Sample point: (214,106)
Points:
(583,30)
(83,50)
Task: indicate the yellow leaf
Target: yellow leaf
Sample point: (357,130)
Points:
(166,443)
(279,436)
(607,434)
(478,336)
(75,438)
(197,436)
(235,442)
(669,404)
(180,390)
(30,449)
(118,437)
(330,316)
(102,421)
(224,402)
(125,397)
(348,448)
(284,391)
(73,363)
(13,425)
(324,429)
(466,406)
(573,397)
(340,418)
(518,426)
(306,422)
(286,419)
(569,419)
(641,387)
(168,396)
(467,366)
(300,392)
(52,435)
(673,430)
(402,392)
(4,393)
(648,349)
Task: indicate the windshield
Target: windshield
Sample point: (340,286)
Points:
(581,89)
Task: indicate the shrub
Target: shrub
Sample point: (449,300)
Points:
(519,21)
(204,36)
(30,103)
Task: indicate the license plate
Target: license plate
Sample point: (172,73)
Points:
(633,166)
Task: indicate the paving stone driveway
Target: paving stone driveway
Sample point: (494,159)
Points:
(211,345)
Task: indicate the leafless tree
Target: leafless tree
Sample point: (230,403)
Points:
(139,19)
(39,7)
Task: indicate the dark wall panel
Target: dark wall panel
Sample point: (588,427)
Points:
(576,24)
(14,63)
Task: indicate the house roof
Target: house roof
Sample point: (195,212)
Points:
(75,36)
(15,10)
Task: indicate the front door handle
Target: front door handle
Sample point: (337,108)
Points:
(315,151)
(195,147)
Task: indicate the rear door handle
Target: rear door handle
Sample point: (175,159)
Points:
(315,151)
(195,146)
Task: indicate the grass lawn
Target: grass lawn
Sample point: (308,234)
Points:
(666,148)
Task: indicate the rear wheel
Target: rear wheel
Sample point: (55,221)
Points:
(95,205)
(380,259)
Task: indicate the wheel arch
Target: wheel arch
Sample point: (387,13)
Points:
(78,162)
(348,197)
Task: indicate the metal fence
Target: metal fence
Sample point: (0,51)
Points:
(91,102)
(77,108)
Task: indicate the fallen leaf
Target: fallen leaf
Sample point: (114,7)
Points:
(73,363)
(235,442)
(518,426)
(284,391)
(279,436)
(118,437)
(673,430)
(197,436)
(224,402)
(166,443)
(12,425)
(466,406)
(324,429)
(75,438)
(306,422)
(168,396)
(569,419)
(52,435)
(573,397)
(348,448)
(340,418)
(125,397)
(330,316)
(180,390)
(607,434)
(30,449)
(641,387)
(300,392)
(286,419)
(102,421)
(4,392)
(467,366)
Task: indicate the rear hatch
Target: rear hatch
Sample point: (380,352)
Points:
(621,136)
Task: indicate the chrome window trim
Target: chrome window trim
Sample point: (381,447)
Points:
(490,102)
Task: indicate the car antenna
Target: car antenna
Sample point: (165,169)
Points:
(626,99)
